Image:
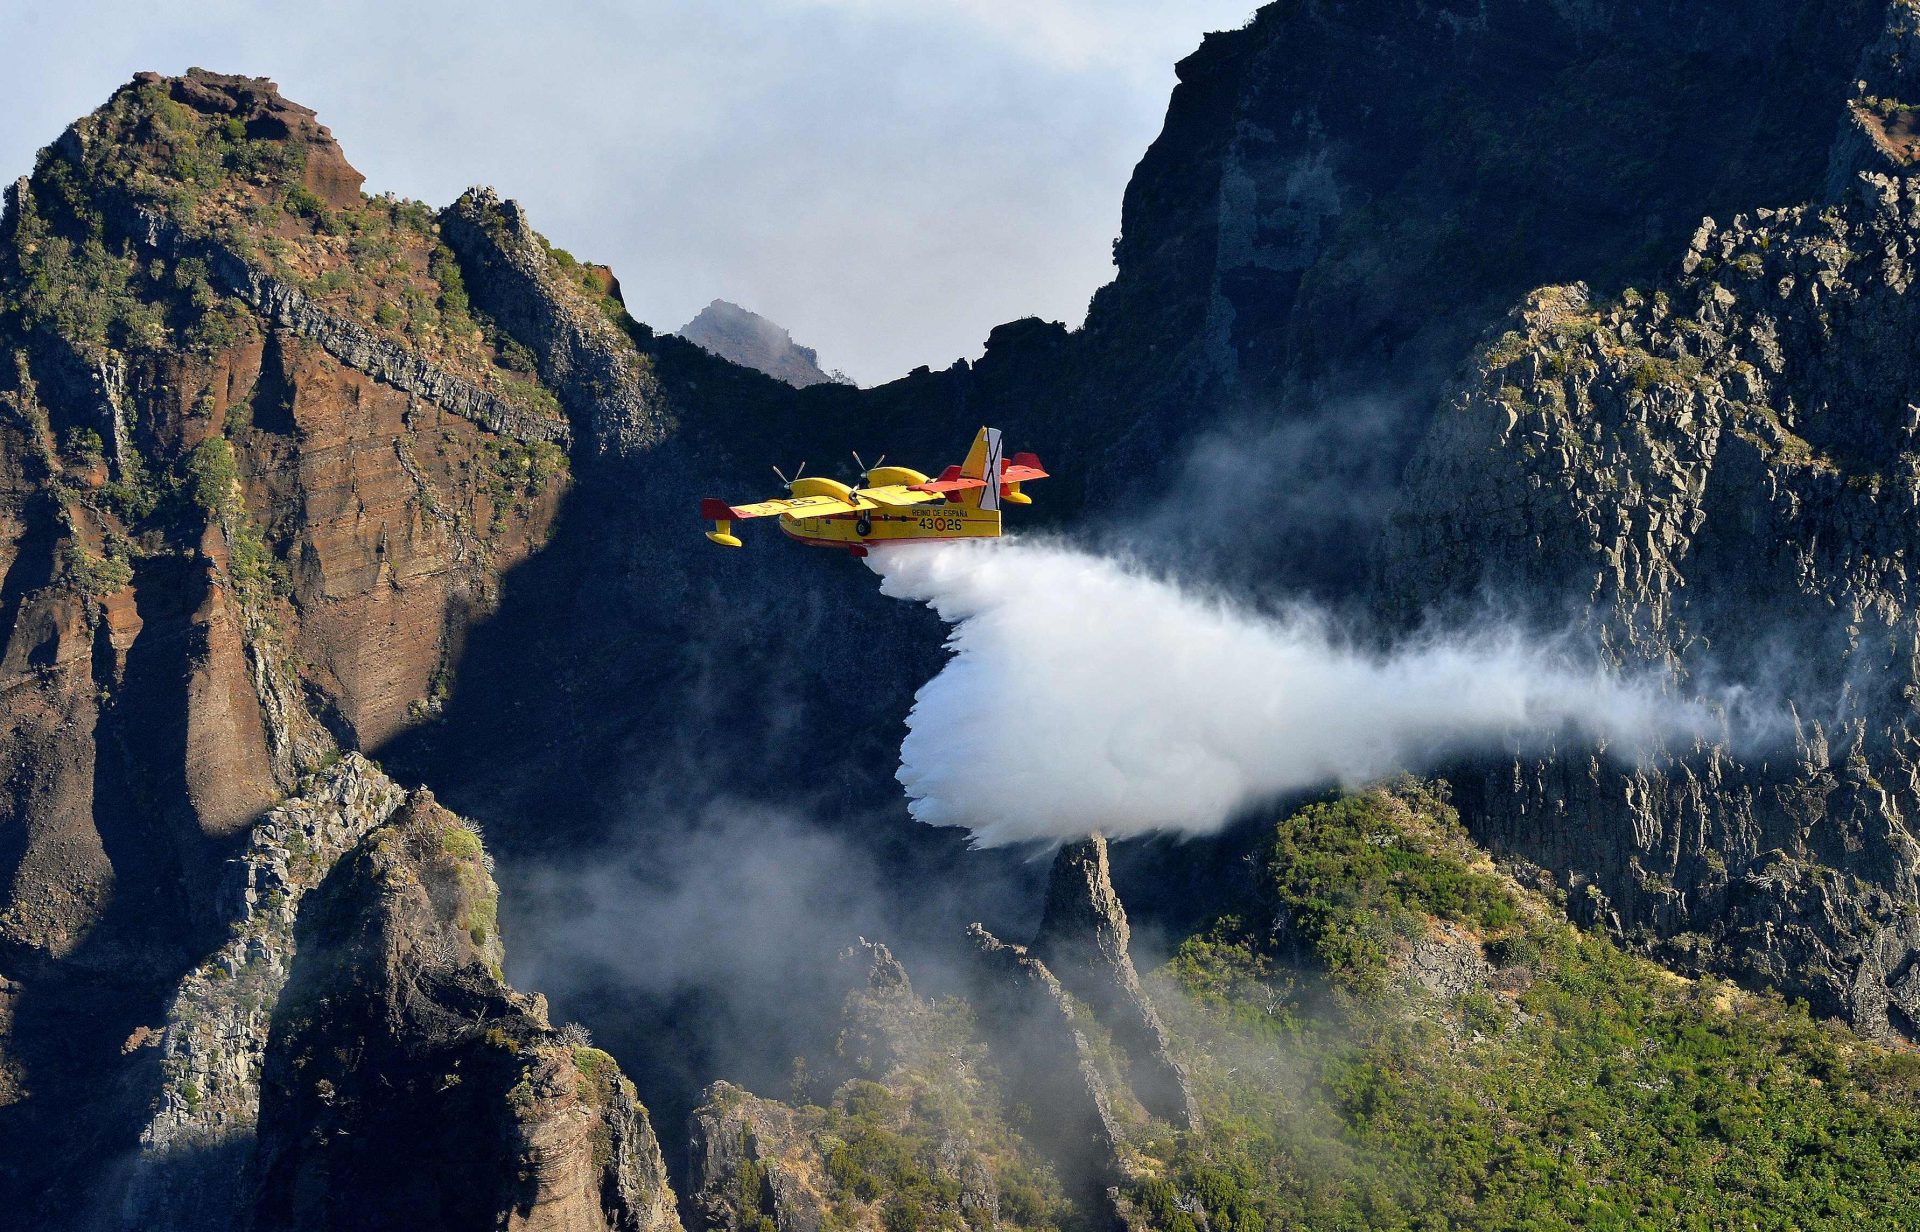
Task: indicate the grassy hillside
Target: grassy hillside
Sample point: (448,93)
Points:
(1397,1035)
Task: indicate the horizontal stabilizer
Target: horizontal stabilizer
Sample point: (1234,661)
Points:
(1024,466)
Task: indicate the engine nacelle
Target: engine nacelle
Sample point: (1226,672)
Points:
(888,476)
(814,485)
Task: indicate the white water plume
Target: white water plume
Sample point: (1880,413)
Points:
(1086,694)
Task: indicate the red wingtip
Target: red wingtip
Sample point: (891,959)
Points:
(712,510)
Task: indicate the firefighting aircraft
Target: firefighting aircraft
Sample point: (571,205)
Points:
(896,503)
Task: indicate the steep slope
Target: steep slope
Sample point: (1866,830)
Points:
(1389,1031)
(406,1086)
(750,340)
(1725,467)
(1715,476)
(1392,1032)
(264,467)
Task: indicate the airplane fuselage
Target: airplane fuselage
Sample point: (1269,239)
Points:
(884,524)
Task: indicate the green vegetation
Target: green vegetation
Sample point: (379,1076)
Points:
(460,843)
(513,472)
(83,445)
(1579,1087)
(600,1076)
(884,1147)
(478,910)
(70,282)
(1358,874)
(96,576)
(455,309)
(749,1186)
(593,281)
(1506,349)
(1649,370)
(211,479)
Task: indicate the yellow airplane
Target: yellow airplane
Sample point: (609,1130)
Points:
(896,504)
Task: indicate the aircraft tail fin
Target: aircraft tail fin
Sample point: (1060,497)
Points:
(984,462)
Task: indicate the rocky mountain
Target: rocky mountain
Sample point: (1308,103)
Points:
(750,340)
(264,470)
(293,477)
(1719,466)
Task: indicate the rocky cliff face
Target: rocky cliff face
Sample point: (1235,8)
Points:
(1344,195)
(264,467)
(750,340)
(401,1065)
(197,1151)
(1715,475)
(1084,939)
(1723,466)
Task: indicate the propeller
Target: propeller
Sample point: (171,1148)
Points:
(866,470)
(798,471)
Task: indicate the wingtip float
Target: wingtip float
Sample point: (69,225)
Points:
(896,503)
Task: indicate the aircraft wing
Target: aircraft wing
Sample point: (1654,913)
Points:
(799,507)
(898,494)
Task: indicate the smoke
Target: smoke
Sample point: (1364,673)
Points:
(703,940)
(1084,693)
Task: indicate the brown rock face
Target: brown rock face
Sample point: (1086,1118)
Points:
(248,508)
(256,103)
(228,769)
(396,536)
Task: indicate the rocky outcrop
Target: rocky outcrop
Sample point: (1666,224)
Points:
(913,1134)
(362,349)
(406,1084)
(1083,940)
(753,1165)
(1717,478)
(600,376)
(383,1024)
(348,342)
(1040,1038)
(266,114)
(196,1152)
(239,530)
(750,340)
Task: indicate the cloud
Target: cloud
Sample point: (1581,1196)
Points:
(1085,694)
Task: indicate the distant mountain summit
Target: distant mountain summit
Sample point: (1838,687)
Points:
(747,338)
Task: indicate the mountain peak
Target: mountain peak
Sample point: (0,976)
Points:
(747,338)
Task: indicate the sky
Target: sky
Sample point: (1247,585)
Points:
(888,179)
